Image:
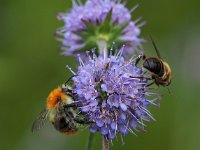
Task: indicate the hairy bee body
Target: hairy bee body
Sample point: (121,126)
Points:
(161,71)
(60,112)
(64,121)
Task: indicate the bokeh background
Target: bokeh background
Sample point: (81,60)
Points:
(30,67)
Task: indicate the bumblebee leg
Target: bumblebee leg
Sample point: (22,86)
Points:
(68,91)
(82,121)
(73,105)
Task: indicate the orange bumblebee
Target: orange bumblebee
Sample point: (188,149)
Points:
(60,111)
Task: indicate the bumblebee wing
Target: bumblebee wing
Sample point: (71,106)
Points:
(40,121)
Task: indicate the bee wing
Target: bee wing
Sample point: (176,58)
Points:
(40,121)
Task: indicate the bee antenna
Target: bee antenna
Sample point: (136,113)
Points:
(69,79)
(155,47)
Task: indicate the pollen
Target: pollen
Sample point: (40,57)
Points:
(54,97)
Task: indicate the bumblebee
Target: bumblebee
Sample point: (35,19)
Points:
(61,112)
(160,70)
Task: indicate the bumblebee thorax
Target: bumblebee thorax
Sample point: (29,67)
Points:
(56,96)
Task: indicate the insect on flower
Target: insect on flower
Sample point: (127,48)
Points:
(60,111)
(160,70)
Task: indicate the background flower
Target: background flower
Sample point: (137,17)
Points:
(98,23)
(111,95)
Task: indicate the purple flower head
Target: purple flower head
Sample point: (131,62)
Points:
(113,94)
(98,23)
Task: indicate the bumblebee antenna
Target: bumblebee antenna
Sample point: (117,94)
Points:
(155,47)
(69,79)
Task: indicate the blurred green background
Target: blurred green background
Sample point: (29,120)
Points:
(30,67)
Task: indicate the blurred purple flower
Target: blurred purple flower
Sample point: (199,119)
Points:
(113,94)
(86,25)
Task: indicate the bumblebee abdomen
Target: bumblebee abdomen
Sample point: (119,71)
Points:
(65,124)
(154,65)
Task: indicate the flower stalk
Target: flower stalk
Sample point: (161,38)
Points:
(102,47)
(105,143)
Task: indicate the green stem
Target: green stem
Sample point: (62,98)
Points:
(102,46)
(105,143)
(90,140)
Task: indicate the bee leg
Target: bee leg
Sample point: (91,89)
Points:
(73,105)
(68,91)
(142,56)
(150,84)
(82,121)
(138,59)
(169,91)
(145,72)
(141,77)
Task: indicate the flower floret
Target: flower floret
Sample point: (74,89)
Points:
(112,93)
